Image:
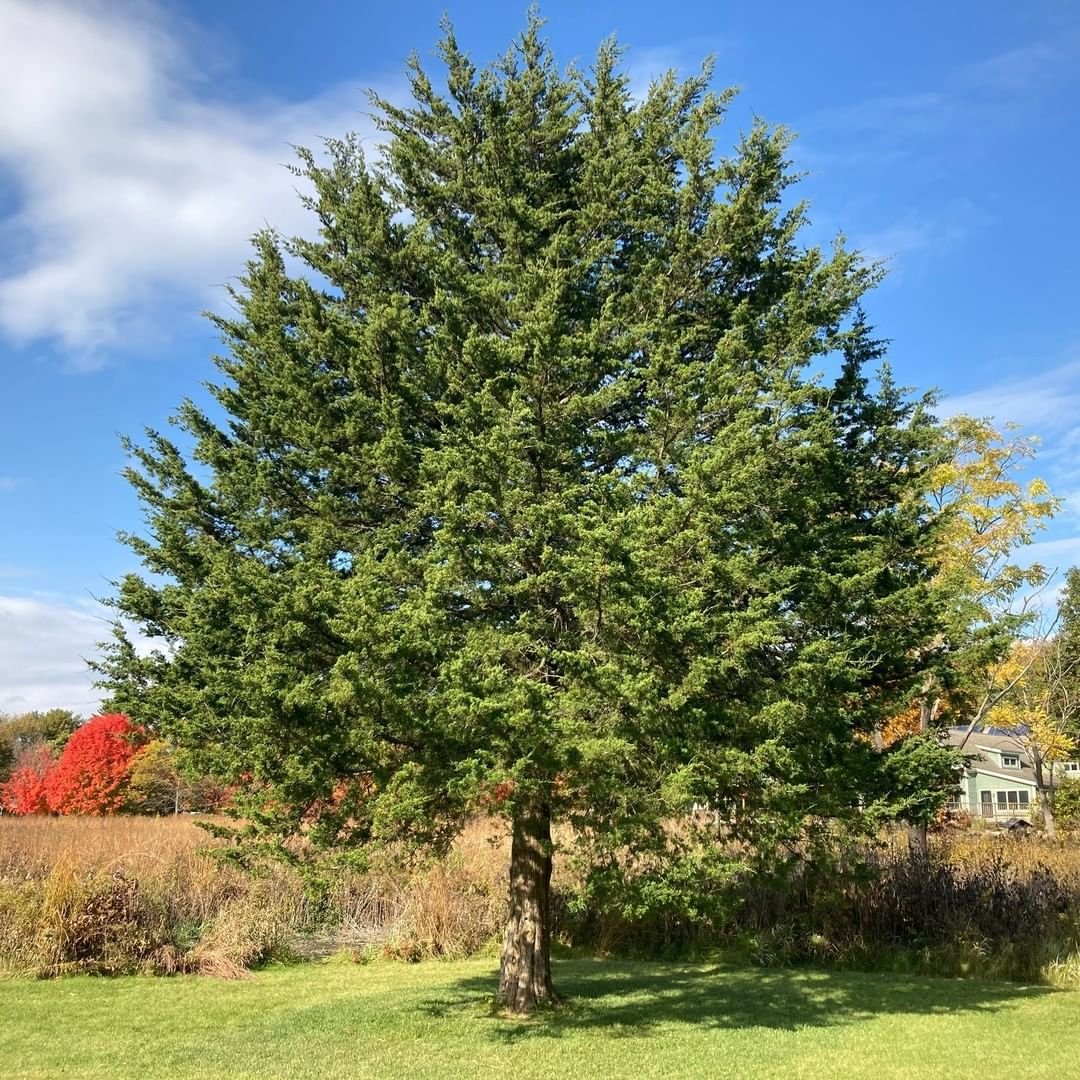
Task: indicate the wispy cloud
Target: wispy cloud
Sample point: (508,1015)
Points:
(10,483)
(130,184)
(645,65)
(971,103)
(908,156)
(42,649)
(1046,402)
(1024,69)
(1065,551)
(914,236)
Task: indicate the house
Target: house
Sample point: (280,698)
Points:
(999,778)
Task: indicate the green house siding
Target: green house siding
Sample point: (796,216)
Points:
(977,782)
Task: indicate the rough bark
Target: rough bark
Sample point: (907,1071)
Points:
(918,839)
(1048,819)
(525,970)
(1045,795)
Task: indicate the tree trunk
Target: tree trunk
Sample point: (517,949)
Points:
(1048,818)
(1045,795)
(917,833)
(525,969)
(918,839)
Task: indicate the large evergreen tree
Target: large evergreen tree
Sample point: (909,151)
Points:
(525,498)
(1068,631)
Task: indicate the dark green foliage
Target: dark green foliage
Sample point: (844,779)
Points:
(862,906)
(916,778)
(526,493)
(1066,662)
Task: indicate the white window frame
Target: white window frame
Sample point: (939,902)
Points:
(1010,761)
(1012,799)
(1071,767)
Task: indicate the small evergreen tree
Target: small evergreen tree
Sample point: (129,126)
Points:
(526,498)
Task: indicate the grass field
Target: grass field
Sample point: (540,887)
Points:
(621,1020)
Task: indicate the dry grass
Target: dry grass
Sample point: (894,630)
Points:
(109,894)
(120,894)
(1026,854)
(127,894)
(31,846)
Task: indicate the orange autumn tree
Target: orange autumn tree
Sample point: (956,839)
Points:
(92,772)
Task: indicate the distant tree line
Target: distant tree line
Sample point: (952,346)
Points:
(54,762)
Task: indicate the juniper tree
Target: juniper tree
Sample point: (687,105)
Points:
(521,496)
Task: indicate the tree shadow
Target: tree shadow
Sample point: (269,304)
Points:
(627,998)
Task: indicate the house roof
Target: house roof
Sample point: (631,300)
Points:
(983,750)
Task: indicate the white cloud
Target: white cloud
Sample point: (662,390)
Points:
(922,236)
(1044,402)
(9,483)
(43,646)
(1057,554)
(645,66)
(129,183)
(970,103)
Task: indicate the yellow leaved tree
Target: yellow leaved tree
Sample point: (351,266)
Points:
(1039,713)
(987,512)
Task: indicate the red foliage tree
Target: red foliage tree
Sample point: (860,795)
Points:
(24,790)
(92,772)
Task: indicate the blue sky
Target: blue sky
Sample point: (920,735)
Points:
(141,144)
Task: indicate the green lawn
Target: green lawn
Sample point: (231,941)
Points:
(622,1019)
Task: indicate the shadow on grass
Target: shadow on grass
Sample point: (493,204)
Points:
(627,998)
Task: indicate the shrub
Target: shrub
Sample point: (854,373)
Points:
(1067,804)
(998,908)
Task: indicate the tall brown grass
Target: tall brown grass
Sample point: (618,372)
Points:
(129,894)
(123,894)
(976,905)
(32,845)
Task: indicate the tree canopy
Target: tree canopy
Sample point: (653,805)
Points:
(32,730)
(524,490)
(989,511)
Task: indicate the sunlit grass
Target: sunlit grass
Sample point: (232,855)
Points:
(620,1019)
